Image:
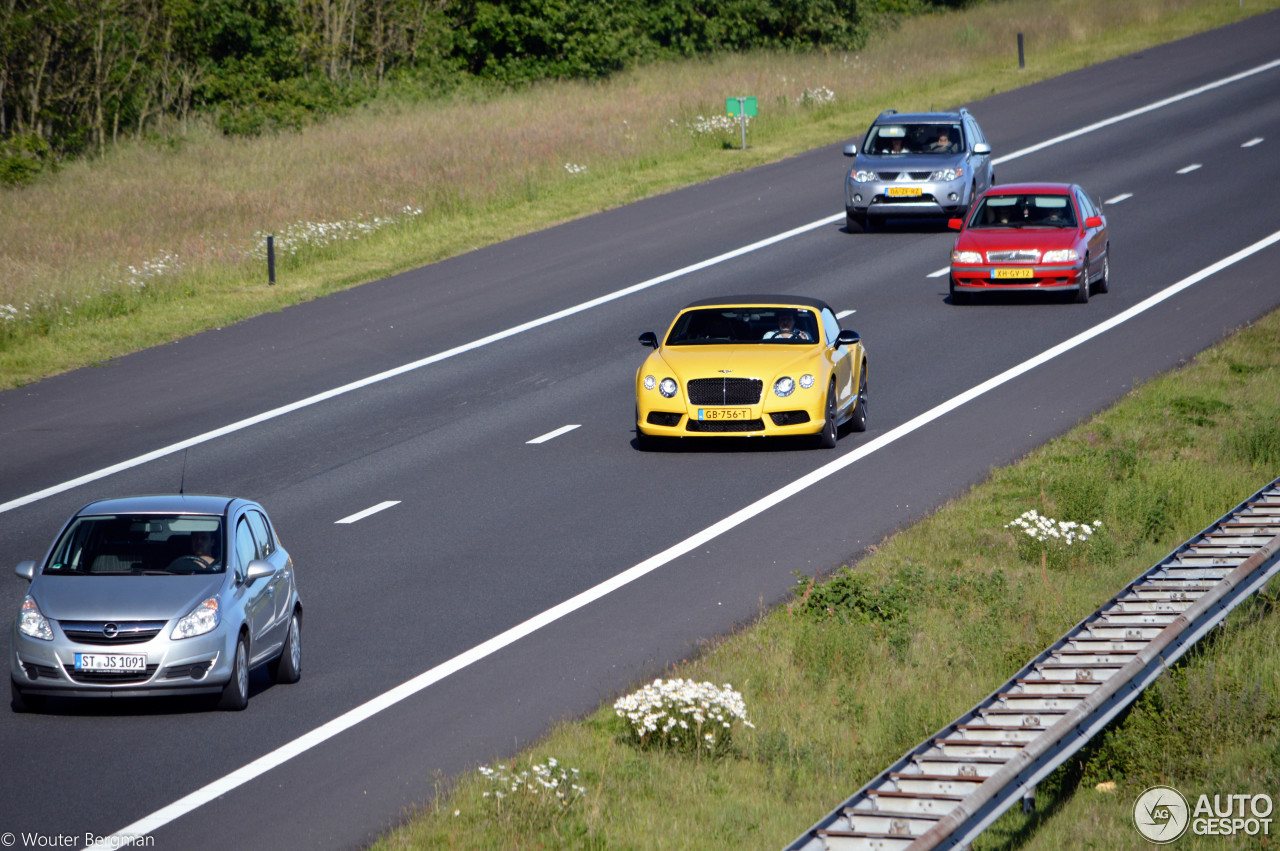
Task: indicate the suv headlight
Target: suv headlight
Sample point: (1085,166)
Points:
(32,623)
(862,175)
(966,257)
(946,175)
(1062,255)
(668,387)
(203,618)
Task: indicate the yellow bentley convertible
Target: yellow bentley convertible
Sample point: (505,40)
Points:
(752,366)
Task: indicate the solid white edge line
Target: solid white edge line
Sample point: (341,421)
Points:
(586,305)
(161,817)
(1189,169)
(360,515)
(552,435)
(1123,196)
(408,367)
(1133,113)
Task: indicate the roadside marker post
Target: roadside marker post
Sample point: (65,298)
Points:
(741,107)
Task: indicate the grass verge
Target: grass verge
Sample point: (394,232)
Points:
(171,239)
(862,665)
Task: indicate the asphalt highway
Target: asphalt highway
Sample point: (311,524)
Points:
(513,582)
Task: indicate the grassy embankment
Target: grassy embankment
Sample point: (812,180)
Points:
(861,667)
(166,237)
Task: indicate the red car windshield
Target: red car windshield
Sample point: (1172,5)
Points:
(1022,211)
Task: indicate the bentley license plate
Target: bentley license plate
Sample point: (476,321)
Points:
(903,191)
(110,662)
(724,413)
(1011,273)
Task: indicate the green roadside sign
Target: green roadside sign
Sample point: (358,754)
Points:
(744,106)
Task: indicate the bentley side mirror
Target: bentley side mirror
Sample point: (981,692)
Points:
(847,337)
(650,339)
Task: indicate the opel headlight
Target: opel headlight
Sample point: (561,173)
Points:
(32,623)
(946,175)
(806,381)
(784,386)
(203,618)
(668,387)
(862,175)
(1062,255)
(966,257)
(650,382)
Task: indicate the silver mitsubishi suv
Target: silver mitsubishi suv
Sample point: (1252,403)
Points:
(917,164)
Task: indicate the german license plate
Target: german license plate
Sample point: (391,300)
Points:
(1011,273)
(903,191)
(110,662)
(724,413)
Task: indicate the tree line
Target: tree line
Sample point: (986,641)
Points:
(77,75)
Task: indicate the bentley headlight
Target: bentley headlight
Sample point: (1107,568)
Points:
(650,382)
(806,381)
(32,623)
(862,175)
(946,175)
(784,386)
(203,618)
(1062,255)
(668,387)
(966,257)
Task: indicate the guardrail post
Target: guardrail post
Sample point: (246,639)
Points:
(271,259)
(1022,60)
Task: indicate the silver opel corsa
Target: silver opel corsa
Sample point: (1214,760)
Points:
(157,595)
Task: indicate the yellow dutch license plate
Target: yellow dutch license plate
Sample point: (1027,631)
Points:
(1011,273)
(724,413)
(903,191)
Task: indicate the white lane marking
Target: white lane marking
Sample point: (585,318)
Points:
(1188,169)
(408,367)
(373,509)
(149,824)
(551,435)
(1142,110)
(842,314)
(1256,140)
(569,311)
(938,274)
(1123,196)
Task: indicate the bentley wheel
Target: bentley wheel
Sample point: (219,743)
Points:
(859,420)
(827,437)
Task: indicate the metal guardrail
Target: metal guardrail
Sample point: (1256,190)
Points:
(951,787)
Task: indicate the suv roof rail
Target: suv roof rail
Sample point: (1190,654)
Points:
(963,111)
(887,112)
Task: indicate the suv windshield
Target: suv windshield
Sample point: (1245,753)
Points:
(888,139)
(721,325)
(129,545)
(1019,211)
